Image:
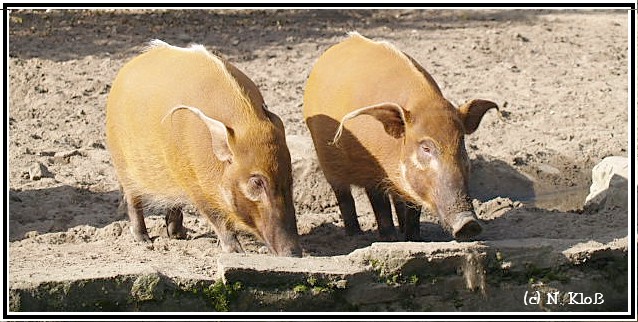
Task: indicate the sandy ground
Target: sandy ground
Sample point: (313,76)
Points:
(560,78)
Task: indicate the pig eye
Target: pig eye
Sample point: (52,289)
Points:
(255,187)
(257,181)
(427,148)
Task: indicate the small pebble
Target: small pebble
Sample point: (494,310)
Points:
(36,171)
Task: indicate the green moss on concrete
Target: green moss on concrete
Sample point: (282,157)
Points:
(316,286)
(145,288)
(220,295)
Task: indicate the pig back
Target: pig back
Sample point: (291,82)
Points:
(171,156)
(350,75)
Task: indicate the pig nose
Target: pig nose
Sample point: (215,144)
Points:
(296,252)
(291,252)
(466,226)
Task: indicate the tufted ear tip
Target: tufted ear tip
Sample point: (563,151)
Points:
(218,131)
(472,113)
(391,115)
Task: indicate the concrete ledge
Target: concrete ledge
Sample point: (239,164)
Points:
(266,270)
(448,276)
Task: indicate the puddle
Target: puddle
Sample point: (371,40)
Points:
(567,199)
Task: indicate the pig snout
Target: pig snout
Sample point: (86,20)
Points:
(465,225)
(281,237)
(293,250)
(455,209)
(282,244)
(458,216)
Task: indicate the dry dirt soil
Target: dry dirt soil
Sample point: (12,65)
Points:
(559,77)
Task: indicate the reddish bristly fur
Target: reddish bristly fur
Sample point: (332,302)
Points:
(187,127)
(379,120)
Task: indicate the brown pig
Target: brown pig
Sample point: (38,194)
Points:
(379,121)
(184,127)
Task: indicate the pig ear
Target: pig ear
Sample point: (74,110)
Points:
(391,115)
(472,112)
(218,131)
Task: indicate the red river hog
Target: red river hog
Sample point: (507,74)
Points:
(379,121)
(184,126)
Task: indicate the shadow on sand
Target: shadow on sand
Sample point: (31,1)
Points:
(62,35)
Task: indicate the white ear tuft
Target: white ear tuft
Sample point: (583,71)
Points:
(390,114)
(218,132)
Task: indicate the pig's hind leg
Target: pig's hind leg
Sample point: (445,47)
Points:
(174,223)
(383,213)
(347,209)
(136,217)
(408,215)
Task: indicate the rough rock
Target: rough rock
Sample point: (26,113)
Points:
(37,171)
(609,184)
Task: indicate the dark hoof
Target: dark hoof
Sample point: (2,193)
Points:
(176,232)
(140,237)
(466,227)
(413,238)
(389,236)
(177,235)
(354,231)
